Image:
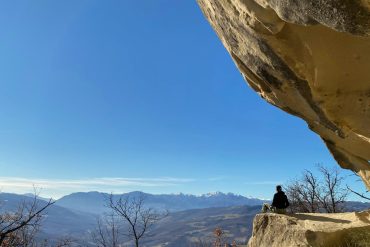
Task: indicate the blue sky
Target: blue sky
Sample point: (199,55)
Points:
(120,96)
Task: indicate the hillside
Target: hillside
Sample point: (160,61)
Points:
(59,221)
(185,228)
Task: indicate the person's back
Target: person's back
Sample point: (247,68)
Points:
(280,201)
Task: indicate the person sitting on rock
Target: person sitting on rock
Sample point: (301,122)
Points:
(280,201)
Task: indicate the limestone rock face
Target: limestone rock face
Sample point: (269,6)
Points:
(304,230)
(311,59)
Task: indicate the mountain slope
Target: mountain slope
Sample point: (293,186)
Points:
(58,221)
(186,228)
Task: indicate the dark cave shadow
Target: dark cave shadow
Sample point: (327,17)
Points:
(363,216)
(317,218)
(356,236)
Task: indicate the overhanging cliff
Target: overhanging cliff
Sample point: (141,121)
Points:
(309,58)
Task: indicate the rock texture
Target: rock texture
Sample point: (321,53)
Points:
(315,230)
(310,58)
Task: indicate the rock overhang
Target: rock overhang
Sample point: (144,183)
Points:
(309,58)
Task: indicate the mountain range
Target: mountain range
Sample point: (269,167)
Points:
(191,218)
(94,202)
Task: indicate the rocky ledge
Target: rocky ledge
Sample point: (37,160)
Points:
(309,229)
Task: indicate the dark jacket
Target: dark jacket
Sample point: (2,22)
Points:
(280,200)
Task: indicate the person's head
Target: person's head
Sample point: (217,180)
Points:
(278,188)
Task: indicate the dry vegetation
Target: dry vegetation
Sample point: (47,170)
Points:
(317,193)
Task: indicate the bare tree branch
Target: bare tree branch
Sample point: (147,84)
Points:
(20,227)
(132,211)
(359,194)
(312,194)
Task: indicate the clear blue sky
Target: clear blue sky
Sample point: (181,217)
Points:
(135,95)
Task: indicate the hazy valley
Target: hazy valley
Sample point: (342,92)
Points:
(191,218)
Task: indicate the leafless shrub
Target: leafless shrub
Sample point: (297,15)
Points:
(202,242)
(303,193)
(312,194)
(130,212)
(219,240)
(108,233)
(332,194)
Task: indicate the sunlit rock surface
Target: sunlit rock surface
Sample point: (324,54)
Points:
(310,58)
(314,230)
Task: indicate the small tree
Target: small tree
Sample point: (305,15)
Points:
(108,232)
(221,239)
(130,212)
(312,194)
(304,192)
(332,194)
(202,242)
(62,242)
